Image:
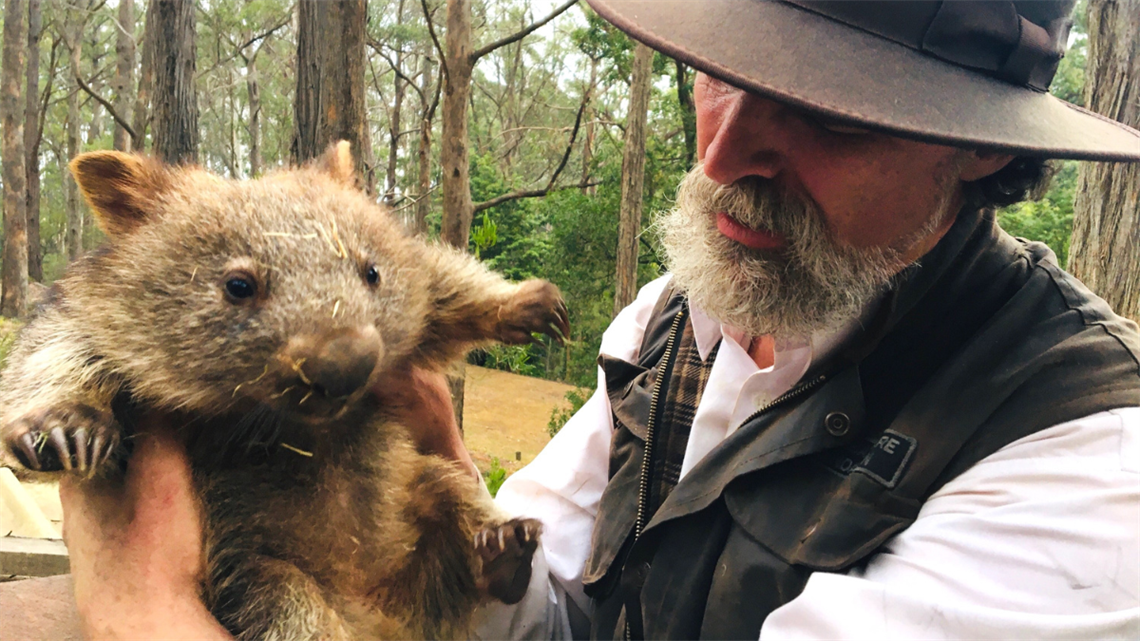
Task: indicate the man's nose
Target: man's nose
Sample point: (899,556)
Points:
(749,138)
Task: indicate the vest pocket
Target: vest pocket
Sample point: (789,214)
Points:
(811,516)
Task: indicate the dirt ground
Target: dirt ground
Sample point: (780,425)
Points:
(505,415)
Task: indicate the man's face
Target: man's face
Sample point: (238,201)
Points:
(790,225)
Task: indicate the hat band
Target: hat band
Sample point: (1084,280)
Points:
(988,36)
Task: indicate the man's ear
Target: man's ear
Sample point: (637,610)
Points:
(979,163)
(121,188)
(338,163)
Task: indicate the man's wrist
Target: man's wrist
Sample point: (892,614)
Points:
(172,617)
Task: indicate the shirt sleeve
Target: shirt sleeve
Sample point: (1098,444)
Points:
(1040,540)
(562,488)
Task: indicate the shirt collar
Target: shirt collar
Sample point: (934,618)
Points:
(707,332)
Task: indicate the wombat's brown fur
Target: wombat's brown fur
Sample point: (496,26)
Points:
(257,315)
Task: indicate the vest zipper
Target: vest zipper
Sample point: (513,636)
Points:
(791,394)
(643,486)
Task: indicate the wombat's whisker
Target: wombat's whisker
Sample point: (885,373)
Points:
(296,449)
(336,308)
(195,273)
(285,234)
(307,395)
(296,365)
(325,235)
(341,251)
(254,381)
(283,392)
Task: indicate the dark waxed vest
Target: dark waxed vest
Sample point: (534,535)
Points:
(983,342)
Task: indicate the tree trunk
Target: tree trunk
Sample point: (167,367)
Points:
(458,209)
(306,99)
(142,115)
(329,103)
(453,155)
(74,28)
(32,141)
(423,152)
(688,111)
(588,142)
(251,85)
(1105,249)
(95,129)
(632,178)
(175,95)
(394,117)
(124,70)
(14,296)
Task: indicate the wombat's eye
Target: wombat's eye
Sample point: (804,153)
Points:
(240,287)
(372,275)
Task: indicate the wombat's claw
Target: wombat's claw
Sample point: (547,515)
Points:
(536,306)
(25,450)
(81,439)
(506,552)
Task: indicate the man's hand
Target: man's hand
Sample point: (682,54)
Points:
(421,401)
(136,548)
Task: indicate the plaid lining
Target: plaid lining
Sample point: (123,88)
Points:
(675,419)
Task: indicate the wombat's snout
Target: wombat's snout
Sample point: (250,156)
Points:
(334,364)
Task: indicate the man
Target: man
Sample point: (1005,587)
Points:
(856,409)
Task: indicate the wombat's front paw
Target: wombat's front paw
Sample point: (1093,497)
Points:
(507,551)
(68,437)
(536,306)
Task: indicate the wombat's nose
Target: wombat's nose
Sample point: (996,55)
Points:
(343,360)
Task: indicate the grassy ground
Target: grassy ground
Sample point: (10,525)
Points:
(505,415)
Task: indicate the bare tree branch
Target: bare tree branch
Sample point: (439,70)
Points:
(106,105)
(519,35)
(238,49)
(533,193)
(430,115)
(42,120)
(570,144)
(377,47)
(428,15)
(550,188)
(413,202)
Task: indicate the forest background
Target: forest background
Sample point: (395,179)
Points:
(551,116)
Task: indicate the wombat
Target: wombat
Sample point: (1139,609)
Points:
(257,315)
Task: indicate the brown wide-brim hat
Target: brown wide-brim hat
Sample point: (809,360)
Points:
(966,74)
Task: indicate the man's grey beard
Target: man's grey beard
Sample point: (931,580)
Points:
(811,284)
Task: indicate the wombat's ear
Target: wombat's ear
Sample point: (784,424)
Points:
(337,162)
(120,187)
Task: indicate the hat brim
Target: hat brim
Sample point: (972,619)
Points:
(803,59)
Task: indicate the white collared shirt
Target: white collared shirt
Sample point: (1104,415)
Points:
(1039,540)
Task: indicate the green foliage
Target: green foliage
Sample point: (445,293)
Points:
(1050,219)
(510,358)
(485,235)
(601,40)
(1069,82)
(560,415)
(495,476)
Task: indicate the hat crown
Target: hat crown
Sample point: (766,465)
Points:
(1019,42)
